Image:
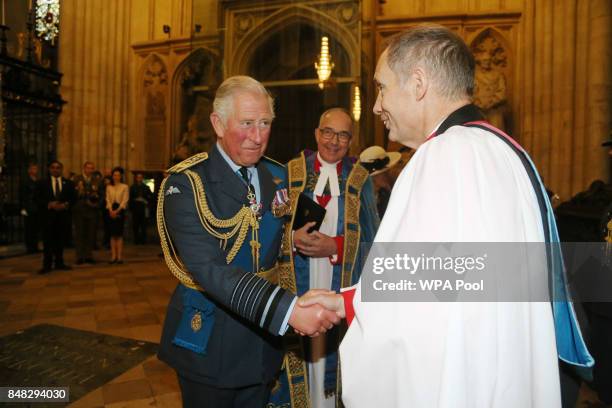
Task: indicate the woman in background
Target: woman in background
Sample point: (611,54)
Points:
(117,196)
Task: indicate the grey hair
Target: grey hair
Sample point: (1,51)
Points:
(441,53)
(223,104)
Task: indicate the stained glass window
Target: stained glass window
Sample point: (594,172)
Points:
(47,19)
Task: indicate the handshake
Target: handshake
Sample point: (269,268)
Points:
(317,311)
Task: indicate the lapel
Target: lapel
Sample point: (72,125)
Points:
(225,180)
(49,187)
(266,185)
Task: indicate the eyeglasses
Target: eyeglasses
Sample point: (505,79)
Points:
(328,134)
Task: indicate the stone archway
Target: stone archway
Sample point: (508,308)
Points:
(249,31)
(285,63)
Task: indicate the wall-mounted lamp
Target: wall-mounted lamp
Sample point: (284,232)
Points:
(198,28)
(324,64)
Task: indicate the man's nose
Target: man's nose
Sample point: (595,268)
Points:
(377,109)
(255,134)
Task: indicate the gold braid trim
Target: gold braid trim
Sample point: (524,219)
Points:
(189,162)
(239,224)
(294,361)
(352,205)
(296,170)
(172,260)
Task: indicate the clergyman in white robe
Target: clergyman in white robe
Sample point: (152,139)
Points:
(465,185)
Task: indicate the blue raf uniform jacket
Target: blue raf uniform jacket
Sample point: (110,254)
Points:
(235,340)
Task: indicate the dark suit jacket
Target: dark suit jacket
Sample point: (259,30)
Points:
(45,195)
(28,195)
(244,347)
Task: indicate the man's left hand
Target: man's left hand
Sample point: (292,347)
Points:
(316,245)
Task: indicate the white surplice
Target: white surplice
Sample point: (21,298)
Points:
(465,185)
(321,274)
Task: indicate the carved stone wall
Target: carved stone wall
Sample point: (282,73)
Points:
(492,90)
(154,96)
(566,91)
(557,70)
(196,79)
(493,38)
(105,46)
(95,60)
(556,74)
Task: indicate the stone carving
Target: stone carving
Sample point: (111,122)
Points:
(347,12)
(244,22)
(200,69)
(155,89)
(490,94)
(194,140)
(38,54)
(21,46)
(155,85)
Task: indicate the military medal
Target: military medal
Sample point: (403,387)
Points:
(253,205)
(281,204)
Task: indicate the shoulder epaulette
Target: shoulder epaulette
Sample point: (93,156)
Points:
(273,161)
(189,162)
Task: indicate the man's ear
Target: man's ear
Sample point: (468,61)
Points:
(217,124)
(421,83)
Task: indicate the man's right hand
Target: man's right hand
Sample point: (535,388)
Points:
(312,320)
(331,301)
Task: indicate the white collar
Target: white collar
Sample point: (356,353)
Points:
(329,173)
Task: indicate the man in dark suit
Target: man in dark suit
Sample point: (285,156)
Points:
(224,321)
(55,195)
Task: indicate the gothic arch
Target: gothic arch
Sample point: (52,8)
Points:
(260,33)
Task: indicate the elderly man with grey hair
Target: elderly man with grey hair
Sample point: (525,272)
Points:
(220,218)
(467,182)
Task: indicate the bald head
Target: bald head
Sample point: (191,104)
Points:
(336,113)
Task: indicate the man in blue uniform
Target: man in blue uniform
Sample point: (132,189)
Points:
(220,218)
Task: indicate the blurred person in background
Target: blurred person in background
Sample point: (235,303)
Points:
(117,198)
(106,181)
(29,209)
(140,196)
(85,213)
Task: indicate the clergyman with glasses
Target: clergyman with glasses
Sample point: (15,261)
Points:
(327,258)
